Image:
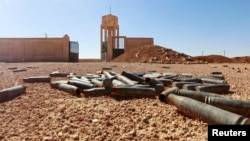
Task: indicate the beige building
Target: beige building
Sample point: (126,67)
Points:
(38,50)
(112,44)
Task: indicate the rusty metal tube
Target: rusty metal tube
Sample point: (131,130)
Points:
(214,88)
(133,92)
(236,106)
(69,88)
(12,92)
(37,79)
(81,84)
(206,112)
(133,77)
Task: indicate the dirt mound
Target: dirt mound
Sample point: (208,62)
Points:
(213,59)
(159,54)
(153,54)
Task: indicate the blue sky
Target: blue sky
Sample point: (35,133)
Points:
(187,26)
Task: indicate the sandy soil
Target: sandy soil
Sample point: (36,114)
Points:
(44,113)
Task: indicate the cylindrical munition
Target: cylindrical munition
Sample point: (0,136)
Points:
(58,74)
(91,76)
(81,84)
(236,106)
(200,96)
(133,92)
(79,79)
(196,80)
(219,76)
(163,96)
(216,72)
(108,75)
(191,86)
(97,82)
(116,83)
(213,81)
(206,112)
(55,84)
(213,88)
(180,84)
(133,77)
(187,75)
(107,83)
(152,75)
(37,79)
(19,70)
(12,92)
(125,80)
(96,91)
(84,78)
(69,88)
(166,82)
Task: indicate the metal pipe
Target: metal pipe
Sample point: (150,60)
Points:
(133,77)
(196,80)
(236,106)
(37,79)
(12,92)
(214,88)
(69,88)
(206,112)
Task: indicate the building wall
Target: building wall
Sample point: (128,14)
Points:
(34,49)
(131,43)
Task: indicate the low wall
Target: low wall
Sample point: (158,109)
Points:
(34,49)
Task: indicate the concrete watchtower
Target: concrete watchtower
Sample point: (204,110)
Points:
(109,28)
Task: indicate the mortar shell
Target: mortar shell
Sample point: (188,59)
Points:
(55,84)
(59,74)
(125,80)
(191,86)
(163,96)
(97,82)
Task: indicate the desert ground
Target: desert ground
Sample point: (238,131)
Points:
(45,113)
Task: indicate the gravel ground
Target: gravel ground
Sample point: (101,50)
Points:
(44,113)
